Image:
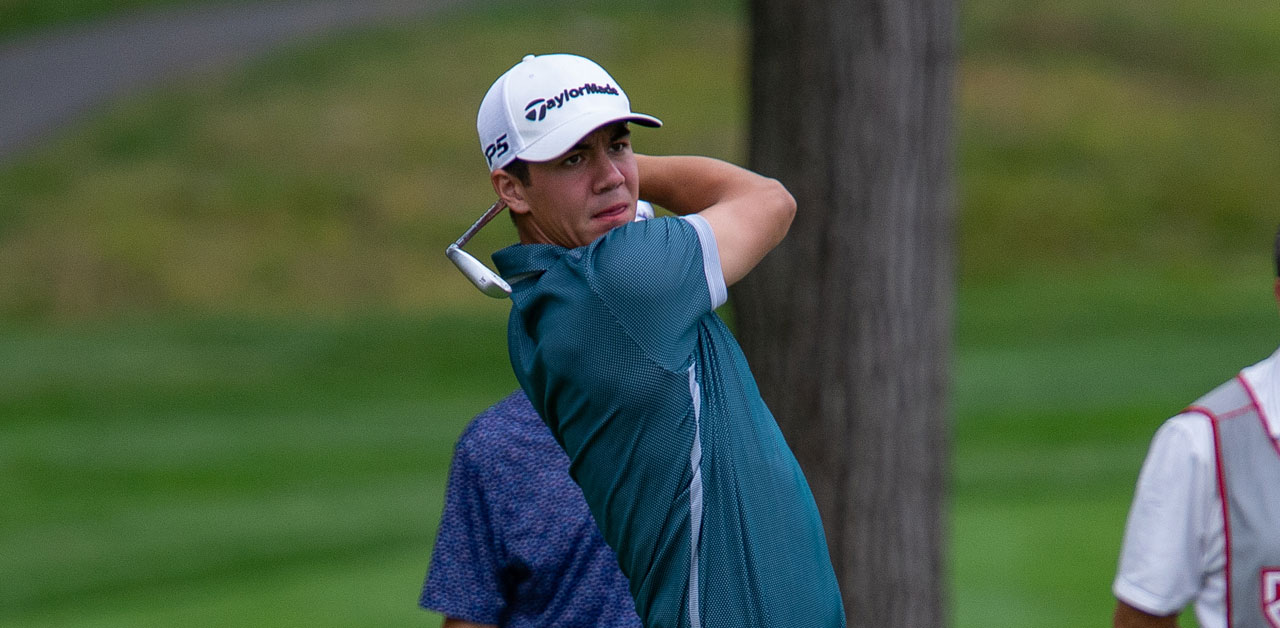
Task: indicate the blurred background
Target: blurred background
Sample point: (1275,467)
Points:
(234,359)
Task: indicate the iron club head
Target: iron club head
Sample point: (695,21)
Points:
(486,280)
(480,275)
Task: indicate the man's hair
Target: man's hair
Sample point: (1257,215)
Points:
(1278,253)
(519,169)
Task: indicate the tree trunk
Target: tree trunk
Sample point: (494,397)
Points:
(847,324)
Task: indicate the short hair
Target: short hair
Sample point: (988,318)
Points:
(519,169)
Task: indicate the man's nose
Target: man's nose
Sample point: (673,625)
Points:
(607,175)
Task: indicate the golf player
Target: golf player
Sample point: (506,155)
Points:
(1204,526)
(613,336)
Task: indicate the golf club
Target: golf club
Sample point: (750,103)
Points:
(480,275)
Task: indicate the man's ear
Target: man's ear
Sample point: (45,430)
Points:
(511,190)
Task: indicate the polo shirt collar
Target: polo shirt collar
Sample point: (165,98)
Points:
(521,260)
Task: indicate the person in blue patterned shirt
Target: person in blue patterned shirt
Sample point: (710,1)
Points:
(517,546)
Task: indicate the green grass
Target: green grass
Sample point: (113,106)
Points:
(376,588)
(191,471)
(1059,387)
(233,360)
(299,465)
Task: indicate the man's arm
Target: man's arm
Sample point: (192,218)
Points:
(748,213)
(1129,617)
(450,622)
(1163,565)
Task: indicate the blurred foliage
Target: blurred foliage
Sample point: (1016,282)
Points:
(326,178)
(1103,135)
(20,17)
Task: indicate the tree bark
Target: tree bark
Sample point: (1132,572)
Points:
(847,325)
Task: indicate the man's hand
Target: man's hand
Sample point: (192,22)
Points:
(1129,617)
(450,622)
(748,213)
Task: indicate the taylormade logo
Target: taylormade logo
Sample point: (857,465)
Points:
(537,109)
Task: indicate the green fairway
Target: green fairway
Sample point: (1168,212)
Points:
(189,473)
(290,473)
(1059,387)
(234,360)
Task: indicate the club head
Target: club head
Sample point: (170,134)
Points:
(486,280)
(480,275)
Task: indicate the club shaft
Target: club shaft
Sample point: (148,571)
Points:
(488,215)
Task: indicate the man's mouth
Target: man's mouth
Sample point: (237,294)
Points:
(612,211)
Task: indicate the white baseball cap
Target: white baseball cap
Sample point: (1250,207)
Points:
(543,106)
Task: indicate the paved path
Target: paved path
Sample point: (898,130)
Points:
(50,78)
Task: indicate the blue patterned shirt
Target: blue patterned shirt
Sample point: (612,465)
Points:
(517,545)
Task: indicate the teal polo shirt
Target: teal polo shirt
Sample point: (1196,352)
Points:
(682,465)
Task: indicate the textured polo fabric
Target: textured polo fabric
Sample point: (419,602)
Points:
(1174,549)
(681,463)
(517,546)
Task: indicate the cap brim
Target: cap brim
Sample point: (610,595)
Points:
(559,140)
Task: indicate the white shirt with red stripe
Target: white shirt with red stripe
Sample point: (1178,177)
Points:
(1174,552)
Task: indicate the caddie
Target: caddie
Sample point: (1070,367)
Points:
(614,337)
(1204,526)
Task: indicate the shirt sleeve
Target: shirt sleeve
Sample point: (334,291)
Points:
(659,278)
(1163,559)
(463,580)
(711,268)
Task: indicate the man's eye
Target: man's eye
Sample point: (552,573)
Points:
(572,159)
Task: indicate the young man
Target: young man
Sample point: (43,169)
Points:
(613,336)
(517,547)
(1205,522)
